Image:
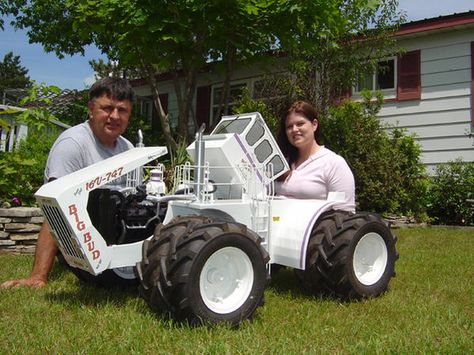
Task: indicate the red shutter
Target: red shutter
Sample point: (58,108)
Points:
(203,105)
(472,86)
(409,76)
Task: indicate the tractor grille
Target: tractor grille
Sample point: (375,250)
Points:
(62,230)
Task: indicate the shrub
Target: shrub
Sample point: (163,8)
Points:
(21,171)
(389,175)
(450,187)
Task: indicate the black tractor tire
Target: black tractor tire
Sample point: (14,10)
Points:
(201,270)
(112,278)
(352,256)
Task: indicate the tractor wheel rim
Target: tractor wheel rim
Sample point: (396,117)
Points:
(226,280)
(370,258)
(125,272)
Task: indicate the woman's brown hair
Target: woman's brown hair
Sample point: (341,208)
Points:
(309,112)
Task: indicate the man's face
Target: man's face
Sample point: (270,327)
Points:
(108,118)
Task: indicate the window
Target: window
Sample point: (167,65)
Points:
(255,133)
(232,126)
(145,108)
(263,151)
(234,95)
(382,79)
(398,79)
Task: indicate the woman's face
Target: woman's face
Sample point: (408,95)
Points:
(300,130)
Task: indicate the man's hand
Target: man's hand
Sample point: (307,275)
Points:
(44,256)
(29,282)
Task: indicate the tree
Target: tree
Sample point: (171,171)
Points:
(113,69)
(13,75)
(178,37)
(330,62)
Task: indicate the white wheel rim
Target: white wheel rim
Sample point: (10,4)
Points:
(125,272)
(370,258)
(226,280)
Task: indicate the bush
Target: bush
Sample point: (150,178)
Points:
(390,178)
(450,187)
(21,171)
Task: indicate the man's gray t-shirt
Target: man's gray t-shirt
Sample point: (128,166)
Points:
(78,147)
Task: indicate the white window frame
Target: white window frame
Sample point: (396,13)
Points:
(215,105)
(388,93)
(145,107)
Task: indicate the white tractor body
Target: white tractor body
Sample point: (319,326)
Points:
(242,160)
(203,252)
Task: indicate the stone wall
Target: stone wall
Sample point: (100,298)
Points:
(19,227)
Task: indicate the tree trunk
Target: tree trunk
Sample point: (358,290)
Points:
(163,116)
(185,100)
(224,103)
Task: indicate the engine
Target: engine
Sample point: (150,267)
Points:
(124,218)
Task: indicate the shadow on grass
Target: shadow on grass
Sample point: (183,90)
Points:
(69,290)
(81,294)
(285,282)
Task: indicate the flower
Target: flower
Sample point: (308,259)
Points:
(16,201)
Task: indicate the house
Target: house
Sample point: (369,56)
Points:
(429,90)
(11,136)
(433,93)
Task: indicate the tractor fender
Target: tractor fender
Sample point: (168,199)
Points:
(291,223)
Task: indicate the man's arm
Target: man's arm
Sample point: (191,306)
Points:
(44,257)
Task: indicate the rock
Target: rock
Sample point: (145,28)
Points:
(22,227)
(20,212)
(37,220)
(24,237)
(4,235)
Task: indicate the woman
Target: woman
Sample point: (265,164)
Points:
(315,170)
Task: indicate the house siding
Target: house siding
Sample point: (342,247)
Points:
(441,119)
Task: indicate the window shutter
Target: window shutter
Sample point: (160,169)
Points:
(203,105)
(409,76)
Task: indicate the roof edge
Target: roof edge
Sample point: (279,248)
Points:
(436,23)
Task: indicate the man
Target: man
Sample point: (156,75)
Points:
(109,108)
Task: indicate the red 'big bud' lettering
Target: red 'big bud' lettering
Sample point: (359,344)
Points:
(90,245)
(80,226)
(73,212)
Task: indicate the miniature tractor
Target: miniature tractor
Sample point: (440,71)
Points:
(205,252)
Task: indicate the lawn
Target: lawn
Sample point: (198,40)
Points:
(428,309)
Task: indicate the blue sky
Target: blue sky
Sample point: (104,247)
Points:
(75,72)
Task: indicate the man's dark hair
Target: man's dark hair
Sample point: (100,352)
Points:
(114,88)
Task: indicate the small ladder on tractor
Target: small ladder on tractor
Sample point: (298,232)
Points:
(260,219)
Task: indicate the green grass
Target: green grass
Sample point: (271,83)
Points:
(428,309)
